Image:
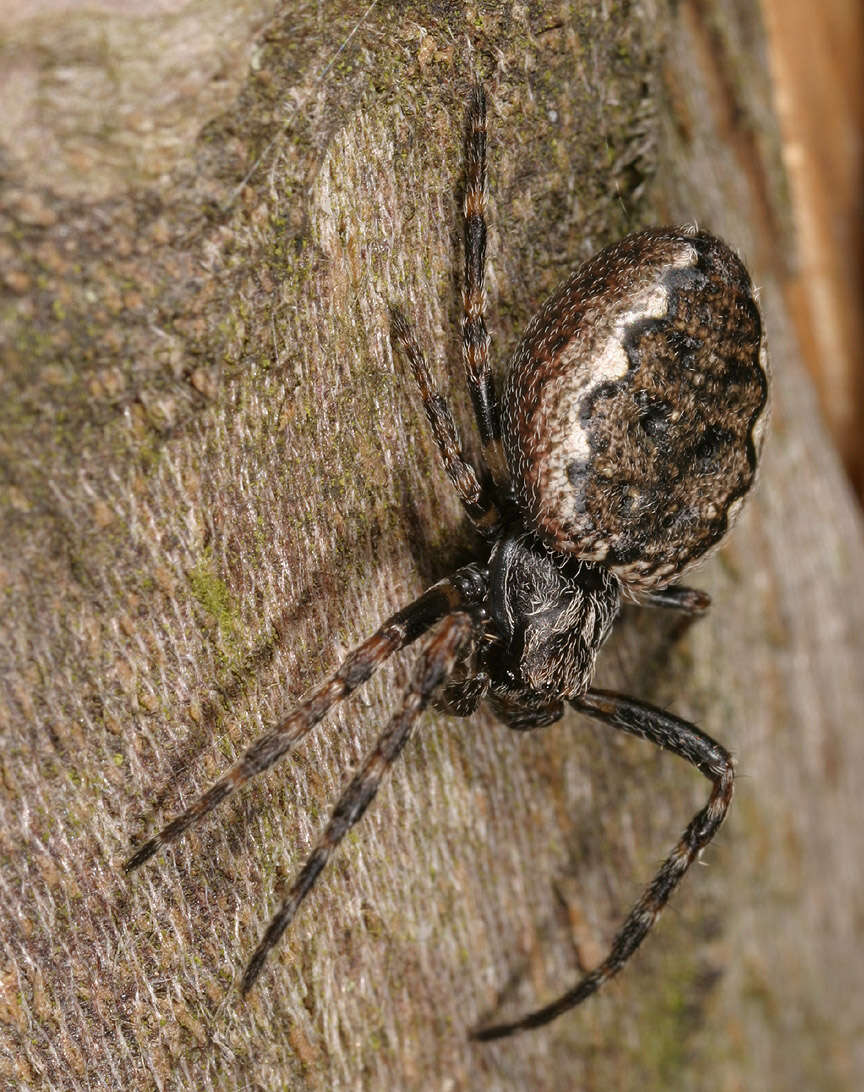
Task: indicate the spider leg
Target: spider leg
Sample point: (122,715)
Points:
(475,336)
(688,603)
(477,500)
(433,667)
(465,587)
(709,758)
(687,600)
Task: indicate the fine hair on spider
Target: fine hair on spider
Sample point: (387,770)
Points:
(622,446)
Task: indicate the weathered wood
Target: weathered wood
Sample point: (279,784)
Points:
(218,480)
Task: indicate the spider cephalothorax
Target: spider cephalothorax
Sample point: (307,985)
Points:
(628,435)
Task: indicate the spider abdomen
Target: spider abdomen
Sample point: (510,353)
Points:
(635,403)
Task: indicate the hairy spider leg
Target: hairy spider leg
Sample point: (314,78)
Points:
(688,603)
(687,600)
(712,760)
(477,499)
(475,336)
(436,662)
(465,587)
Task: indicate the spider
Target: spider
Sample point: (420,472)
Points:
(624,443)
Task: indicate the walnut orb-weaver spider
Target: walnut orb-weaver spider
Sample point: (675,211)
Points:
(626,439)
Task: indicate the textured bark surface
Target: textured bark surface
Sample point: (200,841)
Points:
(217,480)
(817,64)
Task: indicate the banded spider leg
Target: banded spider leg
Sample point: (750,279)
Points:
(688,742)
(455,603)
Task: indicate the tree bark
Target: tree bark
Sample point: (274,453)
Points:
(218,480)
